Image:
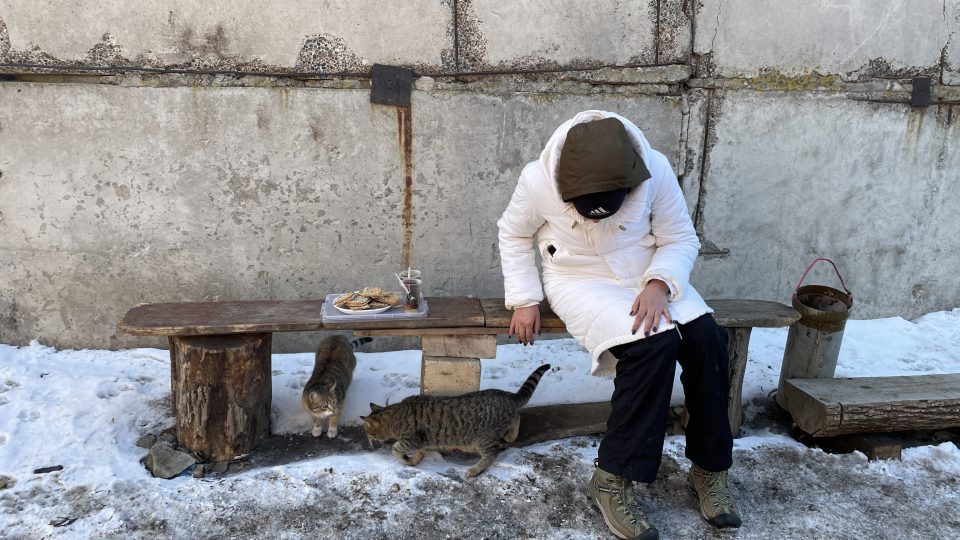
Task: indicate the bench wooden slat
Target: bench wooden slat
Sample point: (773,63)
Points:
(728,313)
(752,313)
(456,313)
(444,311)
(828,407)
(234,317)
(498,316)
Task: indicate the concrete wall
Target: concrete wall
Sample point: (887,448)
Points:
(178,152)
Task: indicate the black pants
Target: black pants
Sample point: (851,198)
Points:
(633,444)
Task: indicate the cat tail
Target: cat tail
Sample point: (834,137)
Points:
(526,391)
(355,344)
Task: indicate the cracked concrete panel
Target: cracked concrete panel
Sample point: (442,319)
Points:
(951,52)
(693,132)
(112,196)
(469,153)
(857,38)
(329,35)
(869,185)
(527,34)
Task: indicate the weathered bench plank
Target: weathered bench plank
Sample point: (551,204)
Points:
(496,315)
(828,407)
(213,318)
(548,422)
(728,313)
(752,313)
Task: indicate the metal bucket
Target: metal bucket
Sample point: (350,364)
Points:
(813,342)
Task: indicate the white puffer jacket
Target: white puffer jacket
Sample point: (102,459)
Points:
(597,269)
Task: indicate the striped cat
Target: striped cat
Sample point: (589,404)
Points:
(476,422)
(324,394)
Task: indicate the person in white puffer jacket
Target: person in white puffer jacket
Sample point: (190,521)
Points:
(607,216)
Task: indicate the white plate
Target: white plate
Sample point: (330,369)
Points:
(361,311)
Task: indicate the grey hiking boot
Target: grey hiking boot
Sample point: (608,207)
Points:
(716,502)
(614,497)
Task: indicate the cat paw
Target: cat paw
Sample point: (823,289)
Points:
(332,432)
(317,431)
(472,472)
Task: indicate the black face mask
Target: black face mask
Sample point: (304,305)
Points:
(600,205)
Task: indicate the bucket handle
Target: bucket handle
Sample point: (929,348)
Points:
(804,276)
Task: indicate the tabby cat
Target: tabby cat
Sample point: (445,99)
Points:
(476,422)
(324,394)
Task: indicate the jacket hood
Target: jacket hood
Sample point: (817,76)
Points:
(550,157)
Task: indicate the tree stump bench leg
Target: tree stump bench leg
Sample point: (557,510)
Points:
(738,341)
(737,351)
(451,364)
(221,390)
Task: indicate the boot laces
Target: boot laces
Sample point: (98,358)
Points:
(627,503)
(717,482)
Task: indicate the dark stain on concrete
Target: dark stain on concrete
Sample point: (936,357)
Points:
(4,40)
(471,45)
(106,53)
(881,68)
(263,119)
(327,53)
(405,135)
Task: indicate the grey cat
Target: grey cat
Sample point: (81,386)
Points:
(476,422)
(324,393)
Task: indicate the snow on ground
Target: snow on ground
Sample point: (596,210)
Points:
(85,409)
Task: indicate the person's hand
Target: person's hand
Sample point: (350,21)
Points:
(525,323)
(650,304)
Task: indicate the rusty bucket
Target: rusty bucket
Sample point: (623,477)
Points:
(813,342)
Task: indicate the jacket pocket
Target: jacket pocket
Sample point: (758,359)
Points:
(548,250)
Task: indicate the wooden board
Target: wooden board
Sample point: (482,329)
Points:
(752,313)
(445,311)
(728,313)
(538,424)
(460,313)
(496,315)
(827,407)
(235,317)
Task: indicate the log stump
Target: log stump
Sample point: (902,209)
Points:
(221,389)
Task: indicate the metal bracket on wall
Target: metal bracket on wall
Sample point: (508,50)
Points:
(391,85)
(920,96)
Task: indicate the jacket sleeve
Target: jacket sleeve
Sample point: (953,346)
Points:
(518,224)
(676,239)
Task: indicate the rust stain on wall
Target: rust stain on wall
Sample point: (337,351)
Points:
(405,134)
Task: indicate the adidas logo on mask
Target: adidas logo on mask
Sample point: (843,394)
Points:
(598,211)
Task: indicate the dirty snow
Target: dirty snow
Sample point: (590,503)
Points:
(85,409)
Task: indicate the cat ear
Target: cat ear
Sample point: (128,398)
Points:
(333,386)
(374,407)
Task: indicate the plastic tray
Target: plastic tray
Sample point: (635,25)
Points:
(329,313)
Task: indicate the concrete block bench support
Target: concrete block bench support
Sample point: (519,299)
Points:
(451,364)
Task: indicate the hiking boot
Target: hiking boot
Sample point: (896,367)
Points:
(716,502)
(614,497)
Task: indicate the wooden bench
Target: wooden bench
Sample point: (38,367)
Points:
(220,357)
(841,406)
